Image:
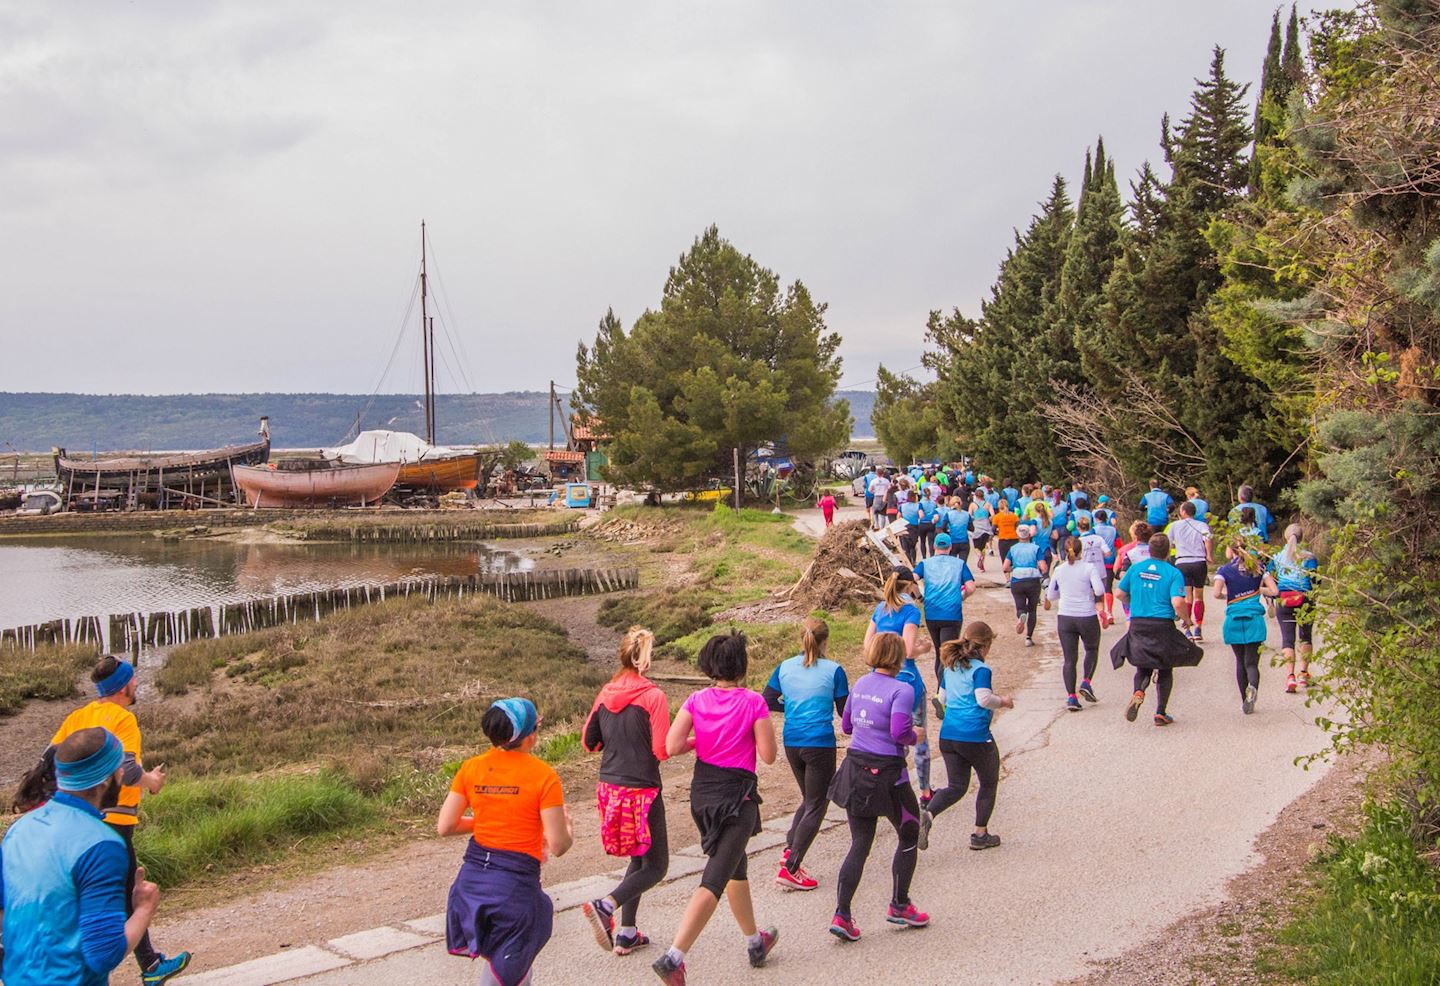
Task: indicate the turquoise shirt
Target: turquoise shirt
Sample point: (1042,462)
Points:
(1151,584)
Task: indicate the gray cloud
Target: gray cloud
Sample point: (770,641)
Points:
(223,196)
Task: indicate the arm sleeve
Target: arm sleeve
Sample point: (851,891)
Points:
(1096,582)
(130,770)
(658,708)
(902,720)
(774,699)
(99,877)
(591,737)
(842,683)
(846,726)
(987,699)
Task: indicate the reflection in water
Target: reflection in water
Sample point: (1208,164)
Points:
(46,579)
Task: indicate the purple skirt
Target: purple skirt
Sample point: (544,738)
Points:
(497,911)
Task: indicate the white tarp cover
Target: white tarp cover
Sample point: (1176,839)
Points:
(389,446)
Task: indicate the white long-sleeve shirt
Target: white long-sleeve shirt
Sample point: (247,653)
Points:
(1076,586)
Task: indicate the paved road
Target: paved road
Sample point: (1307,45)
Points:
(1112,831)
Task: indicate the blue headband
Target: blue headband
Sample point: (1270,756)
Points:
(117,680)
(92,771)
(522,715)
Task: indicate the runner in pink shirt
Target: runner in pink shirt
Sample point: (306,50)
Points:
(827,507)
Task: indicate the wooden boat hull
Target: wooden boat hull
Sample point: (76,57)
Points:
(333,486)
(205,473)
(460,472)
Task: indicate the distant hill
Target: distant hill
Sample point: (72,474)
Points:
(80,422)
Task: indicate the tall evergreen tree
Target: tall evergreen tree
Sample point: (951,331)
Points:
(1095,246)
(1270,75)
(996,373)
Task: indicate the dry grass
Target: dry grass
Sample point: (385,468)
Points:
(50,671)
(403,681)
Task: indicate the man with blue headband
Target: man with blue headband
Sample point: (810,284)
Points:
(63,874)
(115,691)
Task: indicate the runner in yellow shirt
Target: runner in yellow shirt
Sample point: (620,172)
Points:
(115,686)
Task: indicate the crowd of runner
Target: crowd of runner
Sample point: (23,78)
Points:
(75,902)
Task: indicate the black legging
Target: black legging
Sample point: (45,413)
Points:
(905,817)
(1026,593)
(1074,630)
(145,953)
(813,767)
(645,871)
(728,861)
(1164,680)
(1003,547)
(927,540)
(960,759)
(909,543)
(1247,666)
(942,631)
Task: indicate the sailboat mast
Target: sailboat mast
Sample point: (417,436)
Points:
(427,348)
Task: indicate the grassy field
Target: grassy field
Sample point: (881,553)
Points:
(354,723)
(50,671)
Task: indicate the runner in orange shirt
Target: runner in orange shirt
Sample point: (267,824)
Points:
(497,910)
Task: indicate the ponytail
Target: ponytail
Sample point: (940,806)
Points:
(1072,550)
(636,649)
(894,594)
(974,642)
(813,635)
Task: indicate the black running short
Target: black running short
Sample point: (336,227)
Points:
(1195,573)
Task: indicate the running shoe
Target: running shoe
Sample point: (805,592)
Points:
(1132,711)
(1164,719)
(1305,679)
(1087,691)
(910,916)
(671,972)
(1020,624)
(987,841)
(625,944)
(761,950)
(938,706)
(844,928)
(1189,634)
(1029,642)
(799,880)
(164,968)
(1199,636)
(602,923)
(926,821)
(1072,704)
(1247,705)
(1290,685)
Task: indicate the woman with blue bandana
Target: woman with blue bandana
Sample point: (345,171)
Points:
(64,872)
(497,910)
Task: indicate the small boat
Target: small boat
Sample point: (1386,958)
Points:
(307,483)
(460,472)
(158,478)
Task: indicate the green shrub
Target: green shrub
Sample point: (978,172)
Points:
(209,825)
(558,746)
(1375,916)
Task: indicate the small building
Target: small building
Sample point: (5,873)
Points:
(581,460)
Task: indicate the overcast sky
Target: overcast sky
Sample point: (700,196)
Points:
(207,196)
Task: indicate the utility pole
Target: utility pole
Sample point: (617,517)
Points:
(737,479)
(427,348)
(551,409)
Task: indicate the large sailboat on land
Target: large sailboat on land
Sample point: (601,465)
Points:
(425,467)
(307,483)
(157,479)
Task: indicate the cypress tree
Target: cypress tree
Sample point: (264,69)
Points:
(1095,247)
(1270,76)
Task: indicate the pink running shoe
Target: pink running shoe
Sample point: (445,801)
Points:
(909,916)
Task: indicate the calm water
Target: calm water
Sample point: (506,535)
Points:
(44,579)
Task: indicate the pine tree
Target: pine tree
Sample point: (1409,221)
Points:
(1270,76)
(993,380)
(1094,247)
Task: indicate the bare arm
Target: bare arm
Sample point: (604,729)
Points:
(914,644)
(765,747)
(1182,611)
(452,820)
(559,833)
(1219,591)
(678,740)
(1268,586)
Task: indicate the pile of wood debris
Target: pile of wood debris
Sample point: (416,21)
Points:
(848,568)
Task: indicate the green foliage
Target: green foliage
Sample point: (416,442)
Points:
(908,419)
(204,827)
(50,671)
(729,360)
(1374,917)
